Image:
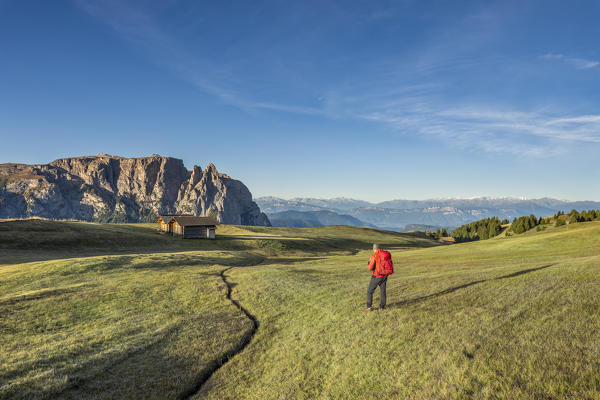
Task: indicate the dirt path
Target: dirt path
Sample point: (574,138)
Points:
(211,368)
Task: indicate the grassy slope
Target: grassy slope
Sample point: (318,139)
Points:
(114,324)
(146,320)
(36,239)
(506,318)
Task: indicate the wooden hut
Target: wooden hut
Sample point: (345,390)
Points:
(165,223)
(193,227)
(449,239)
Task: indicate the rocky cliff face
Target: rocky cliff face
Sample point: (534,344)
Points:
(116,189)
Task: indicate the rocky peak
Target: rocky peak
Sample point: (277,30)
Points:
(211,169)
(113,188)
(195,175)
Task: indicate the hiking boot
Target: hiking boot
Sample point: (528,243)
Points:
(368,309)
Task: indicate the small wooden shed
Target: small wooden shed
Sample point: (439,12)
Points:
(193,227)
(448,239)
(166,223)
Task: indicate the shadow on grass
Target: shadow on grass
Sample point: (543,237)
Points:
(40,240)
(44,293)
(290,260)
(204,375)
(81,384)
(466,285)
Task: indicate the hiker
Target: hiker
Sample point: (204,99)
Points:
(381,266)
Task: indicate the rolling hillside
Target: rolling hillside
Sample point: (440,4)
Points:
(514,317)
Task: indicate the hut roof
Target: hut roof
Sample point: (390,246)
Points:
(194,221)
(165,217)
(449,239)
(168,217)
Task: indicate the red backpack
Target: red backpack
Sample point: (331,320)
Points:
(386,263)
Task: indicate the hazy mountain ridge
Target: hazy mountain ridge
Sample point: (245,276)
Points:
(443,212)
(420,227)
(338,203)
(113,188)
(304,219)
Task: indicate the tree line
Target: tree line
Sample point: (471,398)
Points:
(478,230)
(523,224)
(440,233)
(583,216)
(489,227)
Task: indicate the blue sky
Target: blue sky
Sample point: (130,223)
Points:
(371,100)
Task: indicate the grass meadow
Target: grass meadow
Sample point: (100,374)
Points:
(119,311)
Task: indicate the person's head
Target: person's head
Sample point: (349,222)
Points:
(375,247)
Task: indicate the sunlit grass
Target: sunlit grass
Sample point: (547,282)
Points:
(148,319)
(514,318)
(114,326)
(83,316)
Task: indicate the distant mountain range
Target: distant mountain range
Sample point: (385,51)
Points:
(401,214)
(303,219)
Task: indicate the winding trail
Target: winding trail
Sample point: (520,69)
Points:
(211,368)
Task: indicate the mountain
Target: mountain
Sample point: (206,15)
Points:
(444,213)
(397,219)
(117,189)
(421,228)
(271,205)
(507,205)
(303,219)
(337,203)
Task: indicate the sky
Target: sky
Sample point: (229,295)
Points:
(374,100)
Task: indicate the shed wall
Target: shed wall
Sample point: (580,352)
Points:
(194,232)
(177,229)
(165,227)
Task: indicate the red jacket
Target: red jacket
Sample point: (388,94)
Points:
(375,265)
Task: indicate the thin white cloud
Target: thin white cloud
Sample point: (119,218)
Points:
(576,62)
(138,27)
(576,120)
(288,108)
(582,63)
(494,131)
(404,98)
(553,56)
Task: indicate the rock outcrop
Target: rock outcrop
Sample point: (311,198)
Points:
(116,189)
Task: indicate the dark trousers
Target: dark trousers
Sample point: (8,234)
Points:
(372,286)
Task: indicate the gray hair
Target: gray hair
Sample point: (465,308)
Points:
(375,246)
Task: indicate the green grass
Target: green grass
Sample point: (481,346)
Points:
(509,318)
(114,326)
(38,239)
(514,317)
